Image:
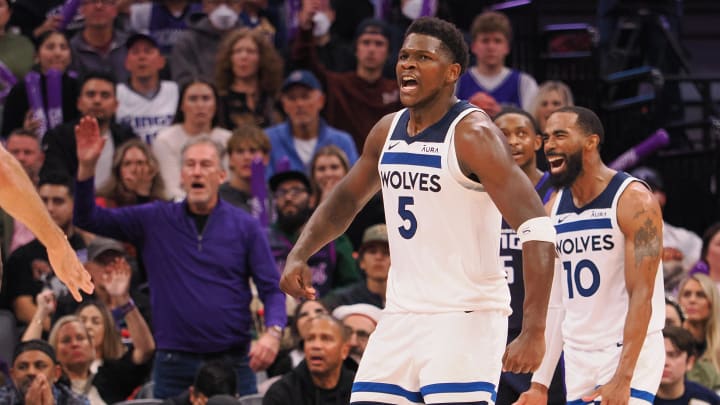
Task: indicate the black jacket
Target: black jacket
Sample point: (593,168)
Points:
(296,387)
(61,150)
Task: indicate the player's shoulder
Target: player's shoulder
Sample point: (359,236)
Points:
(637,194)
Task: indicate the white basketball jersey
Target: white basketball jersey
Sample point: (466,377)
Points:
(443,229)
(146,116)
(591,250)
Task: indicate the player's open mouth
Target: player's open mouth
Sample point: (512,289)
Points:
(197,185)
(408,83)
(556,162)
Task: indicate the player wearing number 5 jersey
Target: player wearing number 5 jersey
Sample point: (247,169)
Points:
(446,175)
(607,304)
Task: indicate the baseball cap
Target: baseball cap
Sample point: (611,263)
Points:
(140,36)
(281,177)
(369,311)
(374,234)
(649,176)
(373,26)
(100,245)
(301,77)
(35,344)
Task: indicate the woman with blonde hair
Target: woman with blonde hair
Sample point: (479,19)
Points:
(699,298)
(135,177)
(248,75)
(551,95)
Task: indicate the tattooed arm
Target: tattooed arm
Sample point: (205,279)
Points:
(640,220)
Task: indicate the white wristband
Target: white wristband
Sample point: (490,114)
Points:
(538,228)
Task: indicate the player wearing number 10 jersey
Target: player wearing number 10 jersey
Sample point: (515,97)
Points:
(607,304)
(446,174)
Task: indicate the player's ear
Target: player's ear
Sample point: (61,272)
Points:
(453,73)
(593,141)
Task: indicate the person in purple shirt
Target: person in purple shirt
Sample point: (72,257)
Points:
(200,254)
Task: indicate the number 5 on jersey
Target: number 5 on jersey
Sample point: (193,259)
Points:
(410,227)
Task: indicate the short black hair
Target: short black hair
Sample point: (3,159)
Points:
(450,36)
(587,120)
(520,111)
(58,179)
(98,75)
(216,377)
(681,339)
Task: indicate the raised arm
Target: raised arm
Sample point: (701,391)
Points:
(334,215)
(640,220)
(19,199)
(482,150)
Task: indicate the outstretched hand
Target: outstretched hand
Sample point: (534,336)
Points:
(68,269)
(89,141)
(296,280)
(525,353)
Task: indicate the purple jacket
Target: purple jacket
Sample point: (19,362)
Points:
(200,282)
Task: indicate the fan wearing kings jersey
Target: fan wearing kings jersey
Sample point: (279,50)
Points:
(607,306)
(447,175)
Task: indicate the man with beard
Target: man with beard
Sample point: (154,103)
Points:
(321,378)
(98,100)
(609,243)
(333,265)
(34,374)
(200,255)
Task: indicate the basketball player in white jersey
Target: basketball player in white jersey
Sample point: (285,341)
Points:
(19,199)
(607,304)
(444,170)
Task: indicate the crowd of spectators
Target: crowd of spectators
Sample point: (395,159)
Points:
(182,146)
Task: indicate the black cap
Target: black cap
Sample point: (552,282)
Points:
(649,176)
(35,344)
(279,178)
(373,26)
(139,36)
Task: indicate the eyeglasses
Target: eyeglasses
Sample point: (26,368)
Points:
(290,192)
(362,335)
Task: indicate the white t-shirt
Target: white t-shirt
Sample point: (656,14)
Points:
(146,116)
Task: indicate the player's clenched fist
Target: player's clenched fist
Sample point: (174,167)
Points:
(296,279)
(524,354)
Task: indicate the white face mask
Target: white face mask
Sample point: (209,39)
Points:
(412,8)
(223,17)
(321,24)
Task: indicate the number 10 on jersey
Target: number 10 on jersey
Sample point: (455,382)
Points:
(584,278)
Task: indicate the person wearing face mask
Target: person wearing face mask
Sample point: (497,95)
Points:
(193,55)
(331,50)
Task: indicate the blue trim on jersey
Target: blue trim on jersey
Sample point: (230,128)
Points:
(634,393)
(604,200)
(644,395)
(411,159)
(444,388)
(385,388)
(435,133)
(599,223)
